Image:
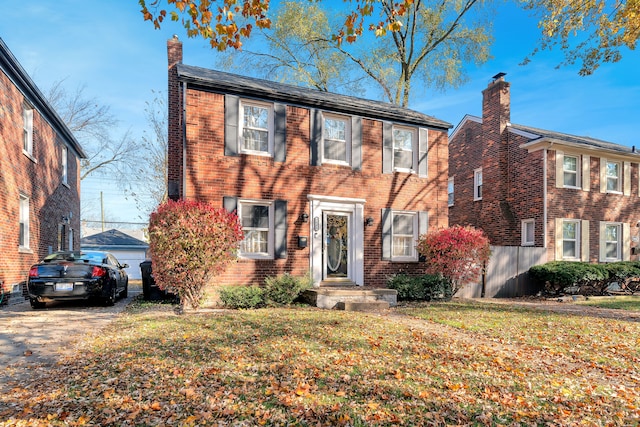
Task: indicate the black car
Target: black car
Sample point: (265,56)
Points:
(83,275)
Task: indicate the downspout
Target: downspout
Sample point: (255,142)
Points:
(184,141)
(545,207)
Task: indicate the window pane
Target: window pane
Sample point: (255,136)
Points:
(403,224)
(569,230)
(402,246)
(256,140)
(529,232)
(611,233)
(402,139)
(255,241)
(403,159)
(570,164)
(335,150)
(611,250)
(255,216)
(335,129)
(569,249)
(256,117)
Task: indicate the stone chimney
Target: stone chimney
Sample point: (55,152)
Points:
(174,104)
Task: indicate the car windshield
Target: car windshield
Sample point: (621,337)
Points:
(92,257)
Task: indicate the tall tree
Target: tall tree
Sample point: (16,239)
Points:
(91,123)
(591,32)
(428,46)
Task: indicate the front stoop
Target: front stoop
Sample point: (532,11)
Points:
(355,299)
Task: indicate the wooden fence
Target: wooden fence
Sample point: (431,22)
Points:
(507,273)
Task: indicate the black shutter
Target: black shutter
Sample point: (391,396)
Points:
(356,143)
(280,132)
(230,203)
(387,147)
(231,122)
(386,234)
(280,232)
(315,136)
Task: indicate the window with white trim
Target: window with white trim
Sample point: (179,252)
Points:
(23,239)
(528,232)
(64,165)
(405,148)
(336,139)
(256,218)
(612,242)
(612,175)
(450,198)
(477,184)
(571,167)
(27,129)
(256,127)
(404,235)
(571,239)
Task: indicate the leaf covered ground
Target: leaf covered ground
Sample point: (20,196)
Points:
(455,363)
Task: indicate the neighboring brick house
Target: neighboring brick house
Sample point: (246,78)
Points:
(576,196)
(39,176)
(331,184)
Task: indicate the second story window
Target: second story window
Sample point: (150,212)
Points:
(257,128)
(64,164)
(570,171)
(336,140)
(612,175)
(404,148)
(477,184)
(27,125)
(450,198)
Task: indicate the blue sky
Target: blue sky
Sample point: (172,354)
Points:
(120,60)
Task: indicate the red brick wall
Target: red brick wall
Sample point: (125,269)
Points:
(210,175)
(39,179)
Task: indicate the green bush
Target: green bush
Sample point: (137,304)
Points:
(425,287)
(239,297)
(285,288)
(558,277)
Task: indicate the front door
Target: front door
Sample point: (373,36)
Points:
(336,242)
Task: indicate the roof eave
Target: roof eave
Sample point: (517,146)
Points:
(546,143)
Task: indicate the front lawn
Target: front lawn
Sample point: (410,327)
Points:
(438,364)
(616,302)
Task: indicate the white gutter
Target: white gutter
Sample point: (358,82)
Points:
(544,198)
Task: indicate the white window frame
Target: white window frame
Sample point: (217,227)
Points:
(270,232)
(618,243)
(528,224)
(477,184)
(618,178)
(577,256)
(27,130)
(24,213)
(64,153)
(414,238)
(450,191)
(270,127)
(347,140)
(414,148)
(576,172)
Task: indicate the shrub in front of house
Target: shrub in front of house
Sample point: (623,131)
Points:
(285,288)
(568,277)
(424,287)
(457,253)
(190,243)
(242,297)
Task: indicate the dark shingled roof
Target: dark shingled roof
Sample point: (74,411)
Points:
(112,238)
(297,95)
(573,139)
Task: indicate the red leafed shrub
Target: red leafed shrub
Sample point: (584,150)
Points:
(190,243)
(458,253)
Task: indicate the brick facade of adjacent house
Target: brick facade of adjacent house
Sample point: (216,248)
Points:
(361,190)
(520,170)
(53,206)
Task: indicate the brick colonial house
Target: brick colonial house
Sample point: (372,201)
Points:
(332,184)
(578,197)
(39,176)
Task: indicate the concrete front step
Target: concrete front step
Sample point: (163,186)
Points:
(329,298)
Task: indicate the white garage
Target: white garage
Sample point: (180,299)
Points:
(127,249)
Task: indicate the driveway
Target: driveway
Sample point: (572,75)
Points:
(31,340)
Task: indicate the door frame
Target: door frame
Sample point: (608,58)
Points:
(355,209)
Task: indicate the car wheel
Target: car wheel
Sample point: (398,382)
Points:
(111,299)
(36,304)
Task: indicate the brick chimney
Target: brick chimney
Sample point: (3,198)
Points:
(497,214)
(174,104)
